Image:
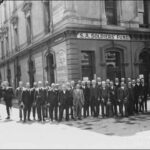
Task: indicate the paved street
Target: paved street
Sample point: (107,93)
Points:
(88,133)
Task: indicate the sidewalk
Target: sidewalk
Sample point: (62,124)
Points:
(34,135)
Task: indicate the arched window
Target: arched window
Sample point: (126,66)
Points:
(50,67)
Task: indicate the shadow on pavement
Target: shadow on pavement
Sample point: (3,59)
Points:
(114,126)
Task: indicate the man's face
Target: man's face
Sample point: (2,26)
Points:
(77,86)
(28,85)
(122,84)
(111,84)
(94,83)
(103,84)
(129,84)
(20,84)
(39,85)
(35,84)
(72,83)
(63,87)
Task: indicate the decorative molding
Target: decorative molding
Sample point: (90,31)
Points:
(103,64)
(14,20)
(27,8)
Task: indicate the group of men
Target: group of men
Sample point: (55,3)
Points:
(73,100)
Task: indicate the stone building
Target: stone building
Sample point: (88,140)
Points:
(71,40)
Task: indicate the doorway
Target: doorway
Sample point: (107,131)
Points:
(114,64)
(88,64)
(144,67)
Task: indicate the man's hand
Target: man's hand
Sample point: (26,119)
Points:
(102,99)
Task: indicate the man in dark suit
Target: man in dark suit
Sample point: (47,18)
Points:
(144,91)
(53,96)
(26,97)
(99,86)
(113,97)
(104,98)
(40,102)
(123,99)
(18,94)
(8,95)
(130,99)
(63,103)
(94,99)
(137,92)
(86,92)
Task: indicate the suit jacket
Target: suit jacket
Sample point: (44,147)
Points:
(137,90)
(86,92)
(113,94)
(46,94)
(70,97)
(26,97)
(131,95)
(94,93)
(64,98)
(39,96)
(78,98)
(143,91)
(18,93)
(105,94)
(53,97)
(8,94)
(123,94)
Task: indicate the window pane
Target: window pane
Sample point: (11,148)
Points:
(110,8)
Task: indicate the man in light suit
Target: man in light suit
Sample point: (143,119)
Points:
(104,98)
(18,94)
(78,101)
(33,90)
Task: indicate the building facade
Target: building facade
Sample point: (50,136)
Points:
(70,40)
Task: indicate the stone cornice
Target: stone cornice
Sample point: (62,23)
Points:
(65,34)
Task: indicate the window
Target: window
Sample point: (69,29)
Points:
(7,46)
(143,13)
(88,65)
(47,16)
(111,11)
(5,11)
(29,35)
(2,47)
(146,13)
(9,75)
(16,38)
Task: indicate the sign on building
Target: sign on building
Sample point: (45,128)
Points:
(103,36)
